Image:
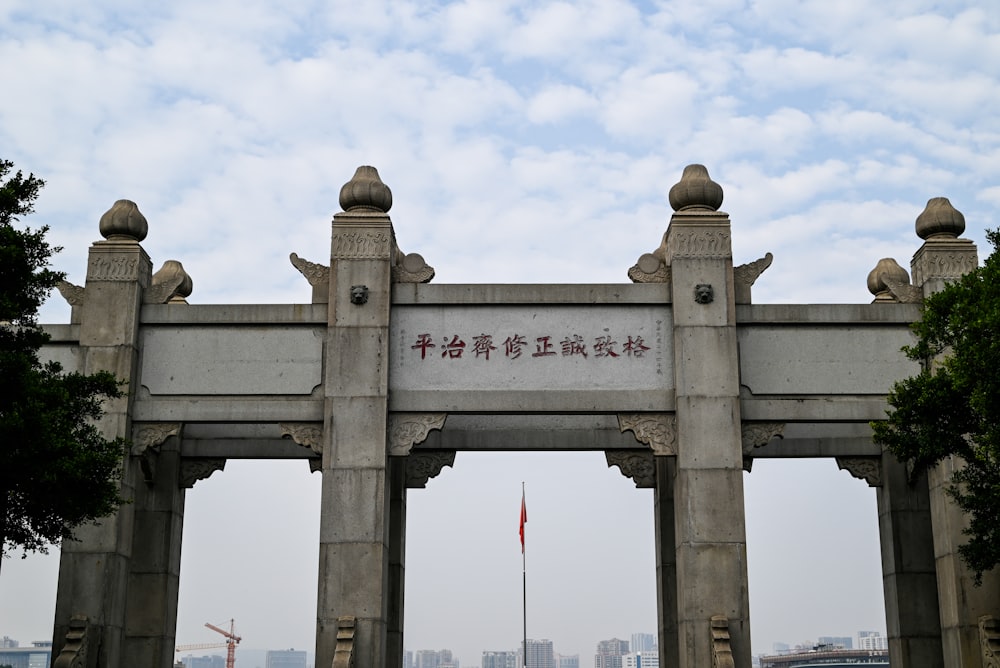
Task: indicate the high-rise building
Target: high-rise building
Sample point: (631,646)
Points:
(539,654)
(610,653)
(285,658)
(646,659)
(836,641)
(642,642)
(872,640)
(430,658)
(408,659)
(213,661)
(563,661)
(499,659)
(39,655)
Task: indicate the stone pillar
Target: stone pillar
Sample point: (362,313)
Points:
(94,569)
(708,490)
(154,576)
(397,560)
(909,578)
(354,519)
(666,562)
(944,257)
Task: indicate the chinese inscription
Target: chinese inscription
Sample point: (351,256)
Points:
(516,345)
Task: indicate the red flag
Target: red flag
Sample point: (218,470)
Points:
(524,519)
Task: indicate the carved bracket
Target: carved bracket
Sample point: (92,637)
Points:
(146,444)
(722,651)
(193,470)
(868,469)
(316,274)
(422,466)
(408,429)
(343,653)
(307,434)
(745,275)
(73,294)
(756,435)
(989,641)
(657,430)
(411,268)
(74,652)
(639,466)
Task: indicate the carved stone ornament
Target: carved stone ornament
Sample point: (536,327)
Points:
(411,268)
(890,283)
(112,267)
(170,285)
(74,652)
(745,275)
(698,242)
(361,245)
(73,294)
(306,434)
(315,464)
(722,650)
(316,274)
(989,641)
(695,191)
(946,258)
(939,220)
(639,466)
(408,429)
(652,267)
(193,470)
(422,466)
(146,444)
(366,192)
(759,434)
(123,221)
(657,430)
(868,469)
(343,652)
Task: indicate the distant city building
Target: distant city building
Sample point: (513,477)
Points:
(39,655)
(646,659)
(204,662)
(642,642)
(499,659)
(408,659)
(828,658)
(570,661)
(285,658)
(872,640)
(539,654)
(780,647)
(430,658)
(7,641)
(610,653)
(836,641)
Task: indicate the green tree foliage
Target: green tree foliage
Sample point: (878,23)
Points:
(56,469)
(952,407)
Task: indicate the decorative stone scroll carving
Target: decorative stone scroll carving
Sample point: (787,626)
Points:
(639,466)
(306,434)
(107,267)
(698,242)
(422,466)
(408,429)
(868,469)
(170,285)
(745,275)
(890,283)
(652,267)
(73,294)
(343,652)
(146,445)
(411,268)
(657,430)
(316,274)
(989,641)
(361,245)
(74,652)
(193,470)
(756,435)
(722,651)
(944,264)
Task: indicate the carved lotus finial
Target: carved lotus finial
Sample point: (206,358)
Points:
(366,192)
(124,221)
(940,220)
(696,191)
(887,269)
(173,278)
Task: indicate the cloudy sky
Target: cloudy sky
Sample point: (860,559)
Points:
(523,142)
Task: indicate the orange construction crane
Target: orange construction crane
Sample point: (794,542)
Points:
(232,640)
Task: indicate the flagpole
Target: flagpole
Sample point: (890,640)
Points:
(524,575)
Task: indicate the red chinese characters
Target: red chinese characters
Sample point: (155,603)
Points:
(514,346)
